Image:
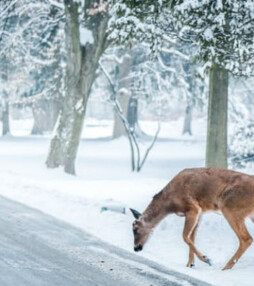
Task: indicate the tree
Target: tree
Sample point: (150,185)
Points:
(48,77)
(137,161)
(5,96)
(217,131)
(123,77)
(223,34)
(7,23)
(154,83)
(223,31)
(195,93)
(123,65)
(85,41)
(30,45)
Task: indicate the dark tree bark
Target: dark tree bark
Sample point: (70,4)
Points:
(216,146)
(82,63)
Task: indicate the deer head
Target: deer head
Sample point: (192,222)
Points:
(141,231)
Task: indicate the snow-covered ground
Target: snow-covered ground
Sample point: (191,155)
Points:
(103,174)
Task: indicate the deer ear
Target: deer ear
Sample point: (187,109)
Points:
(135,213)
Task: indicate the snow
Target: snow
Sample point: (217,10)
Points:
(104,176)
(86,36)
(79,106)
(208,34)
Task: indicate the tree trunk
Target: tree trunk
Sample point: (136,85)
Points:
(45,114)
(187,120)
(58,148)
(216,145)
(5,116)
(82,63)
(124,82)
(41,118)
(5,95)
(119,129)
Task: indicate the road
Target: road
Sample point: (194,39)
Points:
(39,250)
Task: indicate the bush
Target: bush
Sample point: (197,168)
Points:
(241,149)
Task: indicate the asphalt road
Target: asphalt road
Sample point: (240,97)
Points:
(37,249)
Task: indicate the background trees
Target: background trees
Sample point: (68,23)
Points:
(222,32)
(160,55)
(30,56)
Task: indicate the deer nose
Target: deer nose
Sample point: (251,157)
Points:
(138,248)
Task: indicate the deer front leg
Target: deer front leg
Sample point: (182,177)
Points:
(191,221)
(191,253)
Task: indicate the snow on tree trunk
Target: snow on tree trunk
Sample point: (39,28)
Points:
(216,146)
(82,63)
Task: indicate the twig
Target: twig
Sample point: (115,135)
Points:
(150,147)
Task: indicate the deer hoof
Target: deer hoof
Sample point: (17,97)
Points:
(207,260)
(192,265)
(227,267)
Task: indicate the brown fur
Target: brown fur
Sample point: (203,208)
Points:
(195,191)
(157,196)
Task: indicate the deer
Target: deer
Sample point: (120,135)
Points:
(190,194)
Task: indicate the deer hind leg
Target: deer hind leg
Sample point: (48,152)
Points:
(191,253)
(191,221)
(237,224)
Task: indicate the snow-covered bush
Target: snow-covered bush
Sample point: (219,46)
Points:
(241,148)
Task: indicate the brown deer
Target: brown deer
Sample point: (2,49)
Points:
(193,192)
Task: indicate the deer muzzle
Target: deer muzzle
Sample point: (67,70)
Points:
(138,248)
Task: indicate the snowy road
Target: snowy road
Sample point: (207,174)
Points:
(37,249)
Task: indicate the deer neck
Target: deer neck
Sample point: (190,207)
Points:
(154,213)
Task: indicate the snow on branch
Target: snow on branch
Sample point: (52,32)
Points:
(7,8)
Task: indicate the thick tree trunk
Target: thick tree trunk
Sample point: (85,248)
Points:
(187,120)
(82,63)
(73,143)
(58,148)
(216,146)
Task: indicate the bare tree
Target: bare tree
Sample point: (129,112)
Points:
(137,161)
